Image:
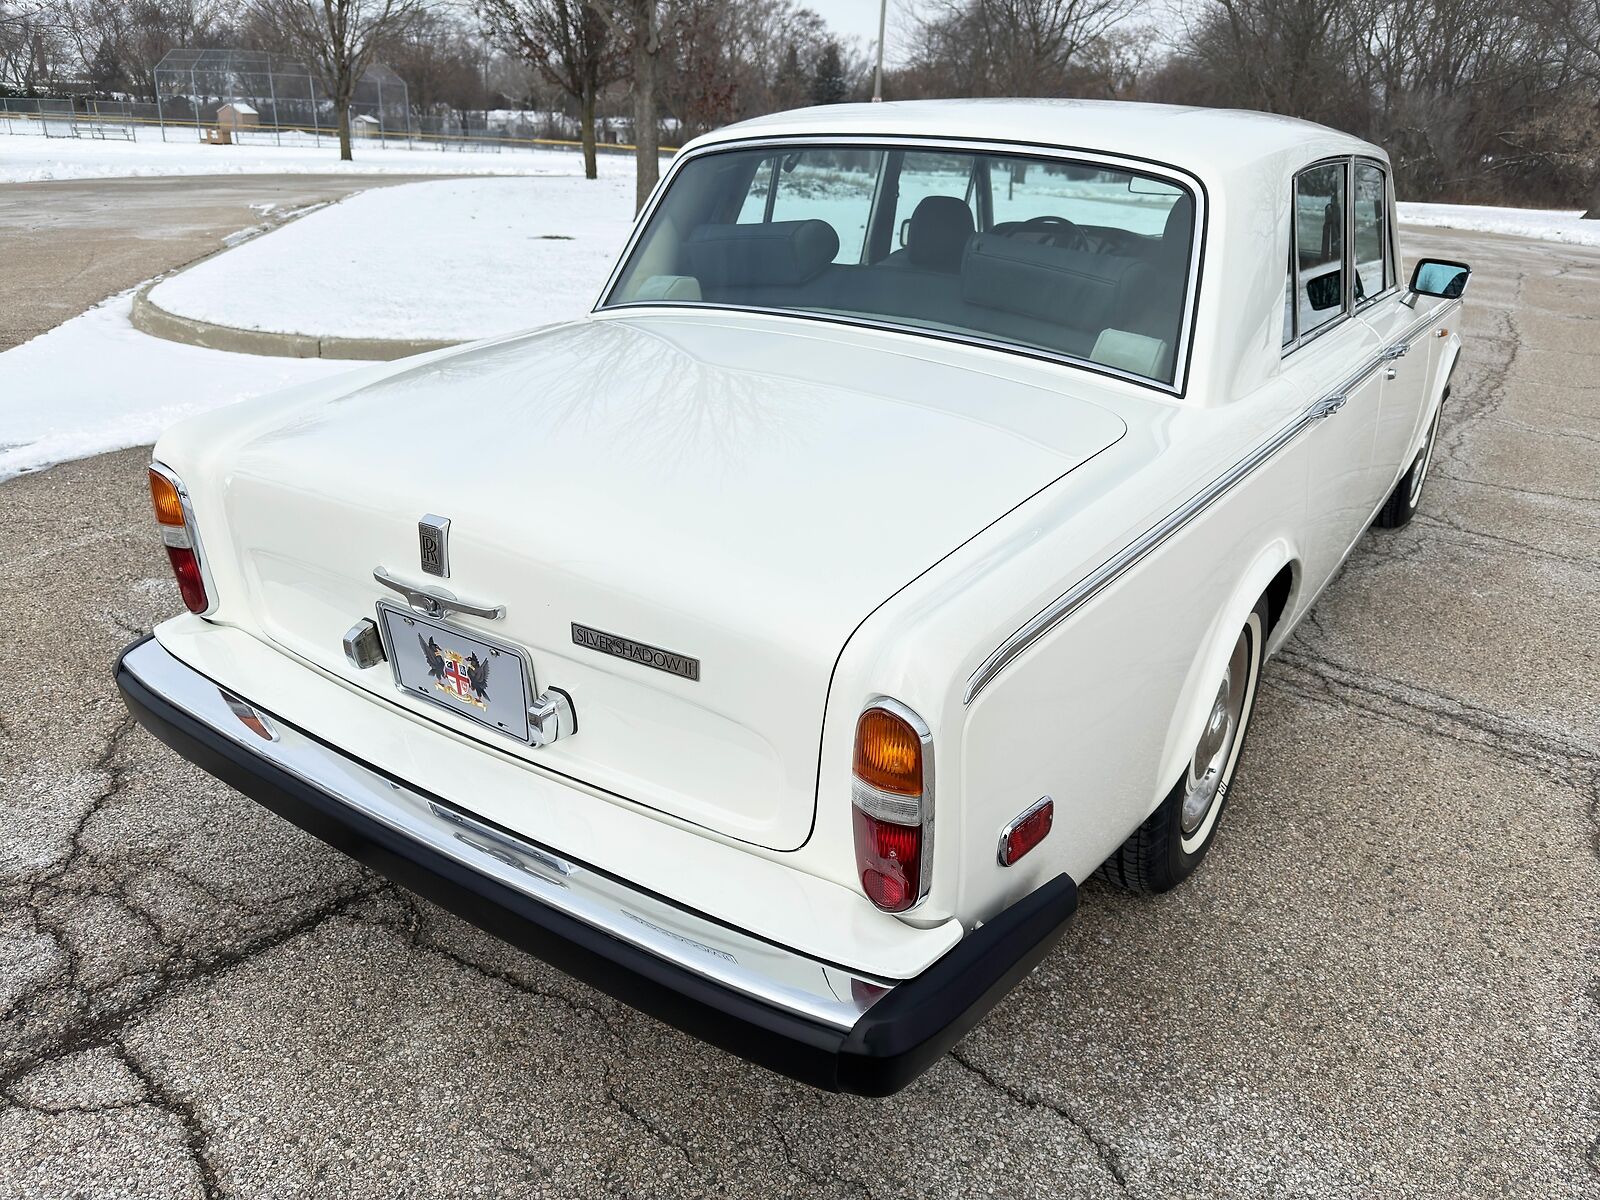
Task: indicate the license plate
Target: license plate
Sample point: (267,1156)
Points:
(473,676)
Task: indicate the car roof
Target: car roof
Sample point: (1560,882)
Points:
(1205,141)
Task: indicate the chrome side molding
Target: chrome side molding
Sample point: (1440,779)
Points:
(1107,573)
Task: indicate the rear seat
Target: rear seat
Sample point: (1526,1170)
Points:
(1005,287)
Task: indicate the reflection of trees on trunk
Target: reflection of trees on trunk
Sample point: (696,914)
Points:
(636,391)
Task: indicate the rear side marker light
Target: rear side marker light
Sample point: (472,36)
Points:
(892,805)
(1027,831)
(178,536)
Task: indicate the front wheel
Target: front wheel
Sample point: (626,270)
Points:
(1402,503)
(1167,848)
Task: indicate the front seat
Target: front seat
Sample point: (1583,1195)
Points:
(938,234)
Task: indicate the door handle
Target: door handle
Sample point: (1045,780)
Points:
(436,602)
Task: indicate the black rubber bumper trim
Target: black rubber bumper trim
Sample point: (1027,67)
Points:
(897,1039)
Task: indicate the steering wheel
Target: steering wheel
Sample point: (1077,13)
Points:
(1059,232)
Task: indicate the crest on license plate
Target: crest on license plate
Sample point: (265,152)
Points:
(461,678)
(433,545)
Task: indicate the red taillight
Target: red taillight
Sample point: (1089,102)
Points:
(892,796)
(1027,831)
(889,858)
(179,539)
(187,568)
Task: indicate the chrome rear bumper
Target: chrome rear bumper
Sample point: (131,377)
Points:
(824,1024)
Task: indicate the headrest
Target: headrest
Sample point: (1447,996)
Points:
(1180,224)
(939,231)
(781,253)
(1076,288)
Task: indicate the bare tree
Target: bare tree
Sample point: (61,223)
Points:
(337,40)
(1577,27)
(1012,47)
(637,23)
(567,42)
(34,44)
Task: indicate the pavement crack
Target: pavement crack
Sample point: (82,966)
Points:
(811,1172)
(1521,491)
(1319,678)
(1439,522)
(1104,1150)
(106,1029)
(196,1139)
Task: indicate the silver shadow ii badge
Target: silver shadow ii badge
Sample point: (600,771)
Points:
(433,538)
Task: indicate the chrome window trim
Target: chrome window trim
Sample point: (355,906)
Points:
(924,736)
(731,957)
(1305,339)
(1136,551)
(1169,172)
(1391,275)
(192,527)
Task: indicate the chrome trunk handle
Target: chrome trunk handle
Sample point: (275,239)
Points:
(435,601)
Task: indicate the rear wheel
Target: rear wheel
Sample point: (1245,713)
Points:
(1163,851)
(1402,503)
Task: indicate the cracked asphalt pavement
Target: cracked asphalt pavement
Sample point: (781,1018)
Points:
(1383,982)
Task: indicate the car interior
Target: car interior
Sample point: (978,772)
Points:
(1110,291)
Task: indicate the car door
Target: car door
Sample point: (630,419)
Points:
(1379,298)
(1326,352)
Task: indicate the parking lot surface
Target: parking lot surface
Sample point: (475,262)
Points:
(1381,983)
(69,244)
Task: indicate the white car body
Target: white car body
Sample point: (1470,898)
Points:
(1049,565)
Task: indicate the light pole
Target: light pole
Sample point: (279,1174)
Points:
(877,80)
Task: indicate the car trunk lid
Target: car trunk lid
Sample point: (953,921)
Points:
(739,498)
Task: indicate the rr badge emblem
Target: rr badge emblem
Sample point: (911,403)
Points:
(433,538)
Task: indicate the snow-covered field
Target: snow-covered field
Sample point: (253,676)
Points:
(447,260)
(96,384)
(26,158)
(1552,225)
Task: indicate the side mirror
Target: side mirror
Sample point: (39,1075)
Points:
(1440,278)
(905,232)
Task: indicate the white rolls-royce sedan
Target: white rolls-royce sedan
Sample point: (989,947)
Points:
(896,543)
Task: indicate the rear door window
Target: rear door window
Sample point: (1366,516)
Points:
(1319,211)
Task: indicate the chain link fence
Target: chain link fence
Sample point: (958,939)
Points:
(479,132)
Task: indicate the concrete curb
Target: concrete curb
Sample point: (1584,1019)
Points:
(151,318)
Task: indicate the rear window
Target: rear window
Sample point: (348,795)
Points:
(1074,259)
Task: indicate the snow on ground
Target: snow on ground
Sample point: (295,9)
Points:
(447,260)
(97,384)
(26,158)
(1553,225)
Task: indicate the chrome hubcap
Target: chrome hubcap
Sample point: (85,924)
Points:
(1211,756)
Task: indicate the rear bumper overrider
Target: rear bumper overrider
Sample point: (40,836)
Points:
(823,1024)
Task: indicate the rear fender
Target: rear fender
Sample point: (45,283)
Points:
(1199,686)
(1441,386)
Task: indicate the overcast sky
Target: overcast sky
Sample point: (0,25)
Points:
(859,19)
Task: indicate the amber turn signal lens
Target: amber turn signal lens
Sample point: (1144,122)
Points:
(169,507)
(888,753)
